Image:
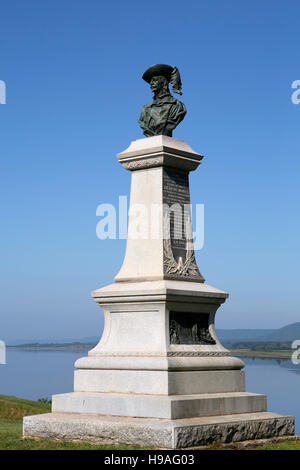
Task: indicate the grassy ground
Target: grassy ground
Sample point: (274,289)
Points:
(11,439)
(13,409)
(292,443)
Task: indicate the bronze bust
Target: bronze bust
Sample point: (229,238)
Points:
(164,112)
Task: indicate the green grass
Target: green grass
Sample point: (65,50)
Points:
(16,408)
(13,409)
(11,439)
(284,444)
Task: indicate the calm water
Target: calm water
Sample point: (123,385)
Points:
(39,374)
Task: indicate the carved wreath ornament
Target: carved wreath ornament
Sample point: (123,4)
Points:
(189,266)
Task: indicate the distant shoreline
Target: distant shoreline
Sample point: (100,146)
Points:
(87,346)
(262,354)
(54,347)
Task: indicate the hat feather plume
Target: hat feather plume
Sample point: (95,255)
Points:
(176,81)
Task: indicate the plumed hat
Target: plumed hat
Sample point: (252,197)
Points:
(170,73)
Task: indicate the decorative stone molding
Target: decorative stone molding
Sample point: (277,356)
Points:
(198,354)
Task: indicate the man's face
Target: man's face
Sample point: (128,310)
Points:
(156,84)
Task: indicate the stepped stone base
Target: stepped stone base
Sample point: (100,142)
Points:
(161,433)
(159,406)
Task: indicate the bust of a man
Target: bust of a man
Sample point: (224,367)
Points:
(164,112)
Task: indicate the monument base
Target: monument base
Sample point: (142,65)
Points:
(159,433)
(159,406)
(159,376)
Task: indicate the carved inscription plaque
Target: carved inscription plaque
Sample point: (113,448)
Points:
(179,256)
(189,328)
(176,195)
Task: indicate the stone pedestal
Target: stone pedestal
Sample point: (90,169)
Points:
(159,375)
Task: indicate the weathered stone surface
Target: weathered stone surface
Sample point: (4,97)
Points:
(99,429)
(157,432)
(234,429)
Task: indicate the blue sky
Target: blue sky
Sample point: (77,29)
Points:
(74,94)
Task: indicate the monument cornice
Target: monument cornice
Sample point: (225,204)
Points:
(159,151)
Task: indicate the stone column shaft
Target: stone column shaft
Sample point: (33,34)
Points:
(159,242)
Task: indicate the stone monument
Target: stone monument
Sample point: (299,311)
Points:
(159,375)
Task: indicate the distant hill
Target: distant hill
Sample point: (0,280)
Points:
(88,340)
(286,333)
(242,334)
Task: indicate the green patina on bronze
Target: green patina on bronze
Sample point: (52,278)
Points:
(164,112)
